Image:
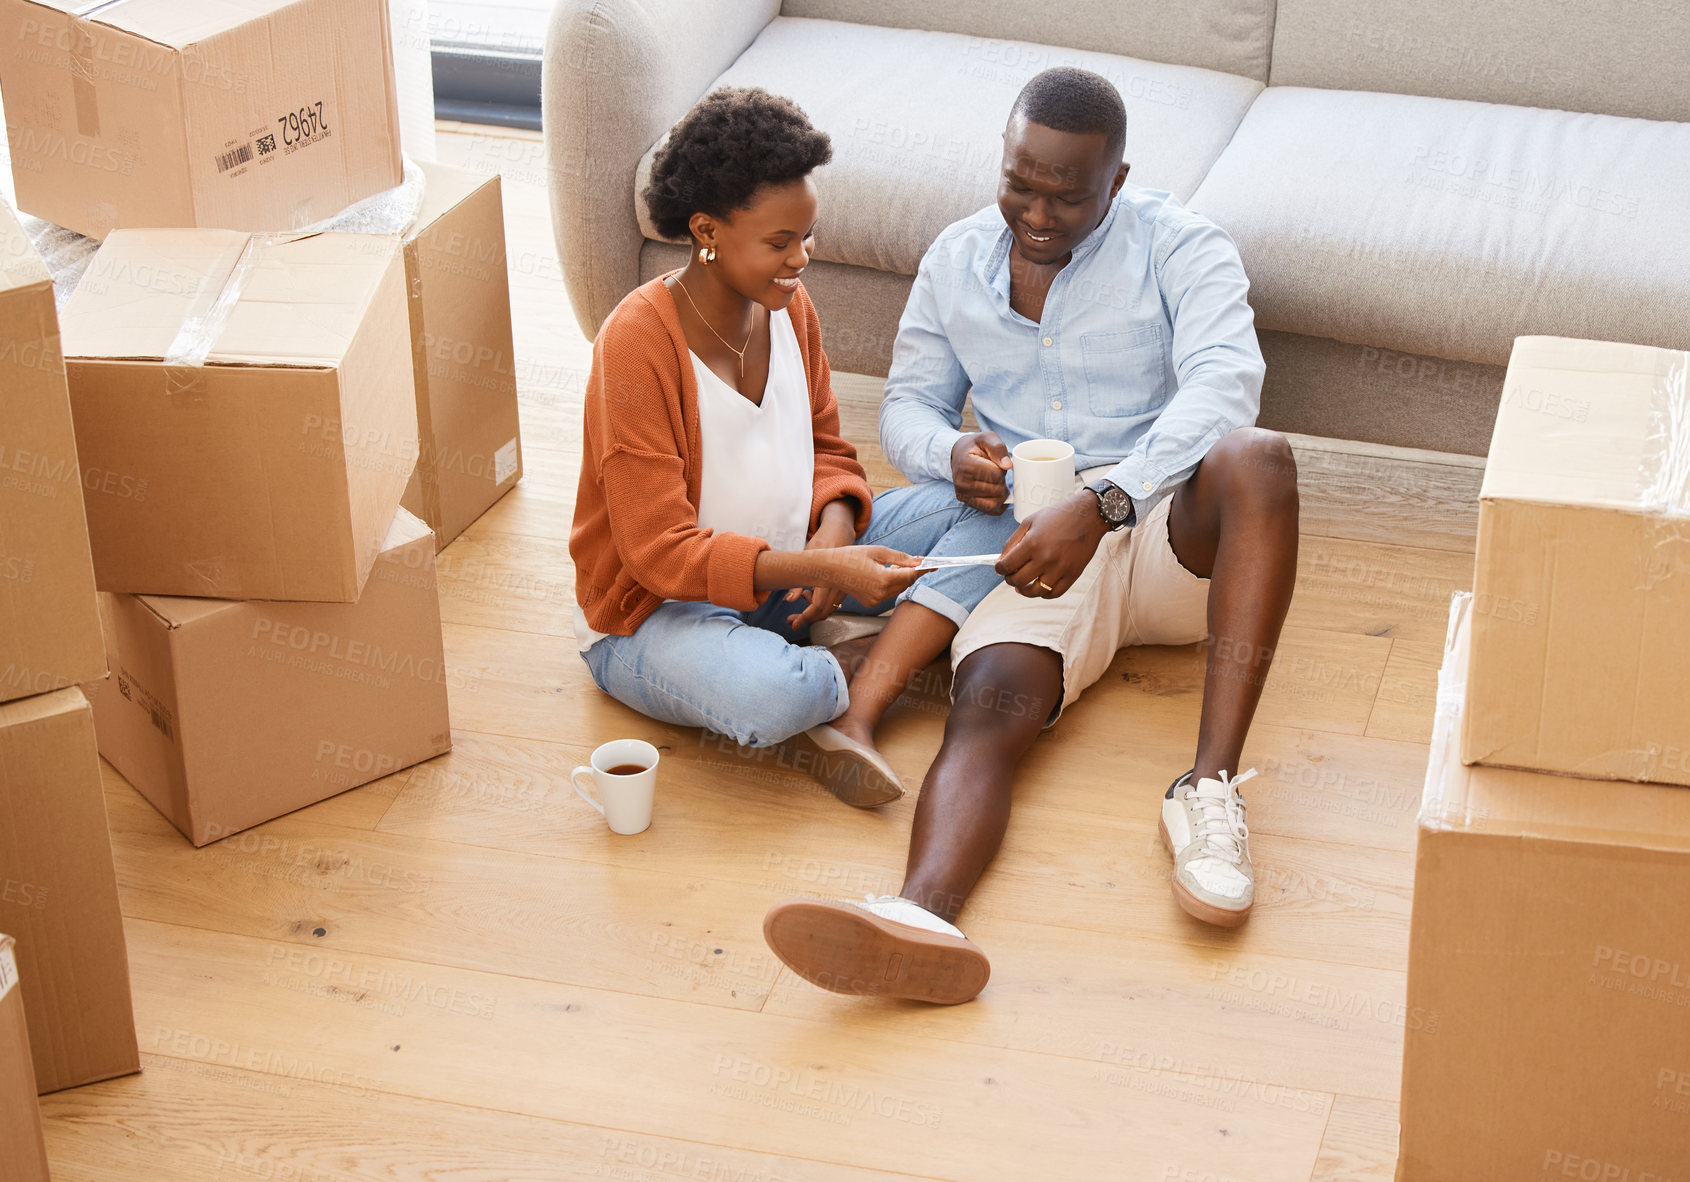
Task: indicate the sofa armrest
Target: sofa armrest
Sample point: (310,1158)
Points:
(618,74)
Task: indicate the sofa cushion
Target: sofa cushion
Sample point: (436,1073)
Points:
(1448,228)
(917,123)
(1230,35)
(1613,57)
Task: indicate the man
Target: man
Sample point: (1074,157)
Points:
(1115,319)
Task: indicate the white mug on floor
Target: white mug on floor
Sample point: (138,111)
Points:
(1044,475)
(625,774)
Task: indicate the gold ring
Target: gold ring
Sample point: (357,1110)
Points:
(1046,585)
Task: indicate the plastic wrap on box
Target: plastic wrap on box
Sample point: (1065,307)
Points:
(67,253)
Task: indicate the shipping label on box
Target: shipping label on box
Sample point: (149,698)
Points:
(259,116)
(1581,615)
(49,630)
(247,406)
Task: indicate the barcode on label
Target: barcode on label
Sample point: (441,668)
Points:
(8,972)
(161,722)
(234,157)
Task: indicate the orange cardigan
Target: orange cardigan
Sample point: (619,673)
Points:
(636,540)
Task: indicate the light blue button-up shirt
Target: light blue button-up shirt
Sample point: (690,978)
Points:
(1146,354)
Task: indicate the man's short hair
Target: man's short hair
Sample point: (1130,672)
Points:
(1069,99)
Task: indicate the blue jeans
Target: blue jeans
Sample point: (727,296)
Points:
(747,675)
(927,520)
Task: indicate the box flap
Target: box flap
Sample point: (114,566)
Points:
(406,528)
(142,286)
(446,188)
(49,705)
(20,266)
(1482,799)
(174,611)
(224,297)
(303,299)
(169,22)
(1591,423)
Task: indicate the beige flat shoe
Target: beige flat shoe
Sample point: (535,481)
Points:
(857,774)
(842,626)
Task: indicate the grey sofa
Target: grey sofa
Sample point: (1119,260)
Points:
(1411,186)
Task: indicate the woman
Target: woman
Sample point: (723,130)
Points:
(716,491)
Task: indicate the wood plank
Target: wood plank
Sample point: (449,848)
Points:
(1392,495)
(306,887)
(524,584)
(1408,693)
(1319,679)
(1225,1019)
(852,1094)
(187,1118)
(1360,1143)
(1377,590)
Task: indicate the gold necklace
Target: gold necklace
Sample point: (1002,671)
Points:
(738,352)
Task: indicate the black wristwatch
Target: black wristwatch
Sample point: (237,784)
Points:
(1114,506)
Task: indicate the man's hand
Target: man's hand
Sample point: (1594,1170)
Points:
(1046,555)
(838,529)
(978,463)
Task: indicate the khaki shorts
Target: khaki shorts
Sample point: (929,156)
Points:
(1134,591)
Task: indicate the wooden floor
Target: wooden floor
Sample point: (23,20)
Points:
(457,975)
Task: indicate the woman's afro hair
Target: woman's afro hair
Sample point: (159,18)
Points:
(733,143)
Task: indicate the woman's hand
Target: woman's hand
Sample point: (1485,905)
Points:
(838,529)
(870,573)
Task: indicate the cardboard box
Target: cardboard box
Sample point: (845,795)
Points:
(263,115)
(244,410)
(471,453)
(58,893)
(1581,629)
(227,714)
(1549,970)
(49,627)
(24,1156)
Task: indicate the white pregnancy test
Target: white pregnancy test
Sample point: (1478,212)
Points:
(962,560)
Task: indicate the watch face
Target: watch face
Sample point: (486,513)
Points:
(1114,505)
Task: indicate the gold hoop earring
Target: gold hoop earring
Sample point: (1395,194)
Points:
(707,255)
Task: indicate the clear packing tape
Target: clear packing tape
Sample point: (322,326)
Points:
(1664,478)
(1446,725)
(67,253)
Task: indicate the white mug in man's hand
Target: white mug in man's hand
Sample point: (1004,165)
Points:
(1044,475)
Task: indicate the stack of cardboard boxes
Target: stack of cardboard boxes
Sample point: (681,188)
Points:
(1551,925)
(277,428)
(58,885)
(252,436)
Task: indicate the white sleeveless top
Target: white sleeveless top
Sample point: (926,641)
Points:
(758,461)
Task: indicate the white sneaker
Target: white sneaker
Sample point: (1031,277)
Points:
(1204,828)
(884,946)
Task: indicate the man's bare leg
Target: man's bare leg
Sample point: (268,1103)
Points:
(1235,523)
(1002,696)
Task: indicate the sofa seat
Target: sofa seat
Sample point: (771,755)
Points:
(1447,228)
(917,124)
